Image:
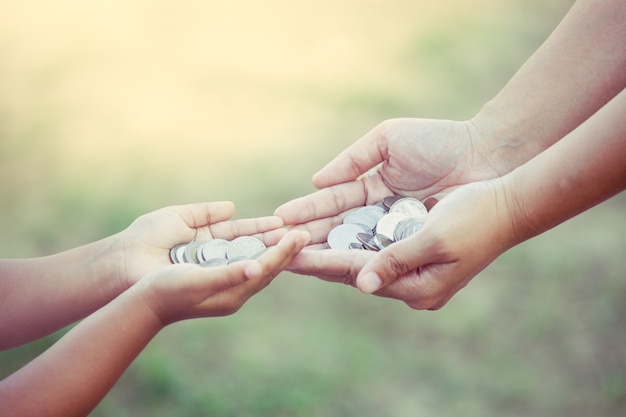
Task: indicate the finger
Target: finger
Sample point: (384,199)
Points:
(202,214)
(391,263)
(327,202)
(426,288)
(276,258)
(244,227)
(334,265)
(417,289)
(364,154)
(164,225)
(317,246)
(232,275)
(272,237)
(257,274)
(203,279)
(319,229)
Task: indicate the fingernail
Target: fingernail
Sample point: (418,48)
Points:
(369,283)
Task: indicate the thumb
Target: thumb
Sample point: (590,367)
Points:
(364,154)
(390,264)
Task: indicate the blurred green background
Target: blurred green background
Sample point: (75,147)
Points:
(112,109)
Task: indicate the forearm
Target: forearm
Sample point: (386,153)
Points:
(585,168)
(41,295)
(578,69)
(73,376)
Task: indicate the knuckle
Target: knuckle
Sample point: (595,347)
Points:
(439,246)
(349,277)
(349,280)
(395,264)
(355,166)
(351,272)
(235,228)
(338,198)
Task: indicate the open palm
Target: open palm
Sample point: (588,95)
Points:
(417,158)
(144,246)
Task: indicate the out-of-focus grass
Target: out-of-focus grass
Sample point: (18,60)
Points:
(111,110)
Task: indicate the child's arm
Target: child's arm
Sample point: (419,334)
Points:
(71,377)
(39,296)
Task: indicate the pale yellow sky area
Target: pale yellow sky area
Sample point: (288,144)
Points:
(170,77)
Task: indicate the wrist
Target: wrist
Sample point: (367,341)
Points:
(142,297)
(504,140)
(156,295)
(105,266)
(522,222)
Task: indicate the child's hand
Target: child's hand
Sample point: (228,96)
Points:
(184,291)
(144,246)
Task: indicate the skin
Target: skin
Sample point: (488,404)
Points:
(566,84)
(145,293)
(474,224)
(92,275)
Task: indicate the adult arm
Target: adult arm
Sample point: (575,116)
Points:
(578,69)
(469,228)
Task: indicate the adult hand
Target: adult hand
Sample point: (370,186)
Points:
(428,268)
(144,246)
(417,158)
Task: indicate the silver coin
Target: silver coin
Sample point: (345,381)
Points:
(389,201)
(190,254)
(377,210)
(382,241)
(387,224)
(355,245)
(362,217)
(407,227)
(237,259)
(412,207)
(367,241)
(244,247)
(341,236)
(199,256)
(214,262)
(177,253)
(259,254)
(366,228)
(214,249)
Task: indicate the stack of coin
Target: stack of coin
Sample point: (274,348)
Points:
(217,252)
(378,226)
